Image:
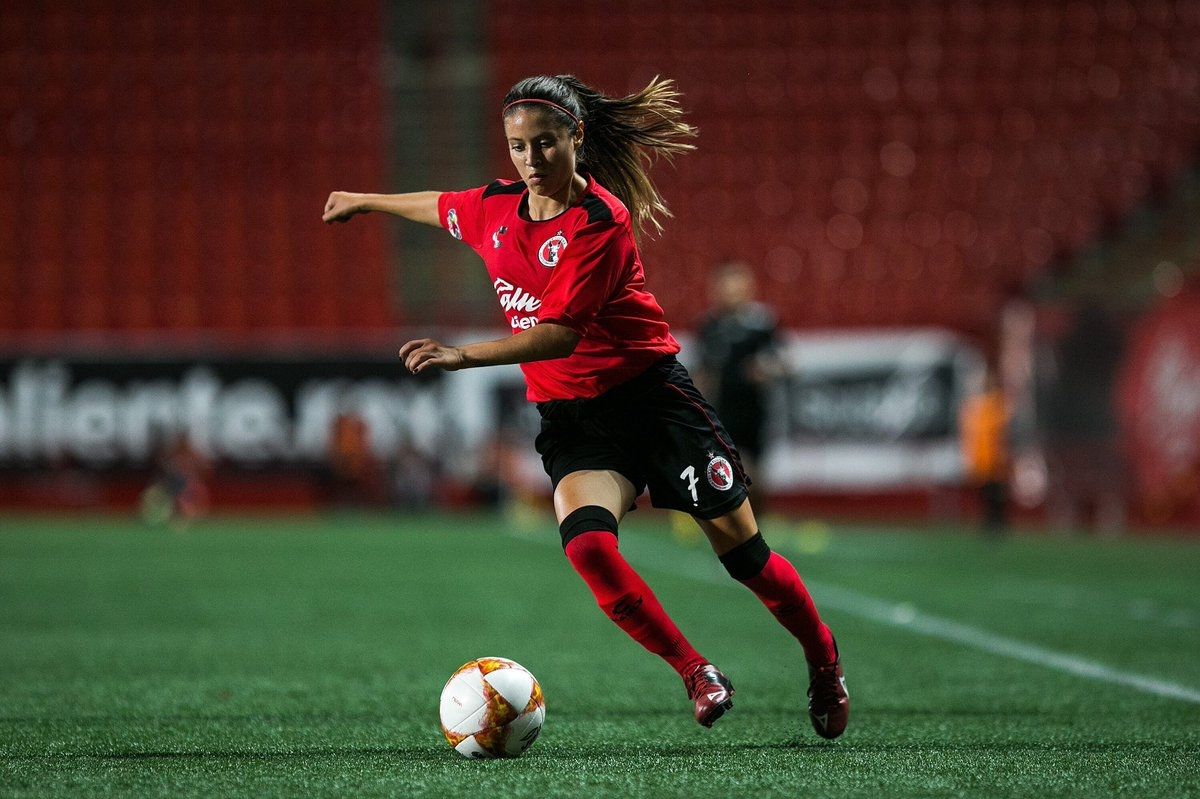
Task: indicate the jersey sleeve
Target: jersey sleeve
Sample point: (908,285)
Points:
(586,276)
(461,214)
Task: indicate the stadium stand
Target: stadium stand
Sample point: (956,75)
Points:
(881,166)
(156,181)
(892,164)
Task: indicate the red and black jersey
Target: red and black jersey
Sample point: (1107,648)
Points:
(580,269)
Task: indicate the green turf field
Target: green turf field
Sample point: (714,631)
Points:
(305,657)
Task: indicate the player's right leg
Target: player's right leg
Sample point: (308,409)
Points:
(589,504)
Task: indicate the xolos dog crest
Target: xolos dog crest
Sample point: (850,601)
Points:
(551,250)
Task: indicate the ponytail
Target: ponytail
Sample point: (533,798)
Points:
(622,135)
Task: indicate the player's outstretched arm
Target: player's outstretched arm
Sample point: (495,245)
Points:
(419,206)
(540,343)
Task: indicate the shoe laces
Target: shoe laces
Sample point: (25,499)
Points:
(701,678)
(824,687)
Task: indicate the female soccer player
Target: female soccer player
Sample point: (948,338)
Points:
(619,413)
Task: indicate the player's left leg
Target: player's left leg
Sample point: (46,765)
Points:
(589,504)
(773,579)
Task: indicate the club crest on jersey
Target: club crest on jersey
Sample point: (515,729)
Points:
(496,236)
(551,250)
(452,224)
(720,473)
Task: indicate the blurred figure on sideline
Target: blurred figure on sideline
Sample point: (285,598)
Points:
(355,476)
(737,342)
(983,429)
(178,493)
(412,478)
(1087,479)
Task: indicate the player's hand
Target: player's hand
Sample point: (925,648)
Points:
(341,206)
(424,353)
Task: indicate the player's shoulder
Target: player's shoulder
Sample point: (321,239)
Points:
(503,188)
(602,209)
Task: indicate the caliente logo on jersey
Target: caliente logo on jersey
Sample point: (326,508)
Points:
(552,249)
(515,298)
(516,301)
(720,473)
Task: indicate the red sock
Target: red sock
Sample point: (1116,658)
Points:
(628,601)
(782,591)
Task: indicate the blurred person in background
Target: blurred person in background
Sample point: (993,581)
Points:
(499,466)
(737,342)
(356,478)
(619,412)
(983,434)
(1077,402)
(411,478)
(178,493)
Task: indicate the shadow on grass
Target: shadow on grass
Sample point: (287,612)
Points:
(1022,712)
(688,750)
(441,755)
(171,718)
(409,753)
(422,754)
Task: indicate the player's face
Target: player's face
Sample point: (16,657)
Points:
(542,150)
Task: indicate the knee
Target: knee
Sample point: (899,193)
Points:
(747,559)
(588,519)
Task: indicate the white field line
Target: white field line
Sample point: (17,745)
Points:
(904,616)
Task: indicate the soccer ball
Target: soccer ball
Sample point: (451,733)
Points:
(492,707)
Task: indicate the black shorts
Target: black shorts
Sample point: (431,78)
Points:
(658,432)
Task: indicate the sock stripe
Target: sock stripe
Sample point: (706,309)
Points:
(588,519)
(747,559)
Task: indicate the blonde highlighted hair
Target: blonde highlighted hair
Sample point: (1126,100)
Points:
(623,136)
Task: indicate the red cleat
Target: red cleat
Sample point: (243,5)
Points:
(711,691)
(828,701)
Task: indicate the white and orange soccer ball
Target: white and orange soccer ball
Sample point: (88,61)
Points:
(492,707)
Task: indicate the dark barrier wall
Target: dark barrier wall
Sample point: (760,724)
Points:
(105,412)
(858,411)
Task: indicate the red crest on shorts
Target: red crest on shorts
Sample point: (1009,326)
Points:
(720,474)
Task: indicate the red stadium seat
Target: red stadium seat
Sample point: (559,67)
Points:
(177,133)
(965,126)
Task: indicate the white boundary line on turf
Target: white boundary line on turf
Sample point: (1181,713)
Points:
(904,616)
